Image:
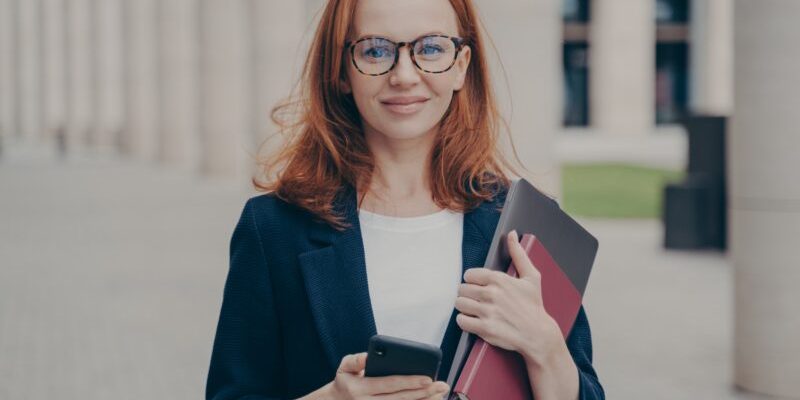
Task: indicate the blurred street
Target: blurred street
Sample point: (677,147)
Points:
(112,275)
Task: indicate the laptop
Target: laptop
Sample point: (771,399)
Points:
(527,210)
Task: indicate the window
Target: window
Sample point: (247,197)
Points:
(671,82)
(672,11)
(575,10)
(576,84)
(672,60)
(576,62)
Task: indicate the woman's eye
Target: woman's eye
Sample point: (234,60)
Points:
(431,50)
(376,52)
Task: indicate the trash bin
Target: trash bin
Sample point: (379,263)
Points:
(699,203)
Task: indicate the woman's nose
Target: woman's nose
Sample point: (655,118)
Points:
(405,72)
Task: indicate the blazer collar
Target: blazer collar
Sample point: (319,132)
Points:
(335,277)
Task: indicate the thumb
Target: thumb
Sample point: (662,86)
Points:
(522,262)
(353,363)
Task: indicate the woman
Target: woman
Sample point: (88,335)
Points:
(387,193)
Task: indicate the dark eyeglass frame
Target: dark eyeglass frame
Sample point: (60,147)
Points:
(457,41)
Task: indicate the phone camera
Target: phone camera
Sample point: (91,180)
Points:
(380,351)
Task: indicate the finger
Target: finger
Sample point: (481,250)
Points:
(470,324)
(441,390)
(393,383)
(437,396)
(353,363)
(440,386)
(470,306)
(521,261)
(435,390)
(477,292)
(480,276)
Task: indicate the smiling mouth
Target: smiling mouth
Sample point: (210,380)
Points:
(405,107)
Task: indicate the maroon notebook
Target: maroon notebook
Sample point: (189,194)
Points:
(492,373)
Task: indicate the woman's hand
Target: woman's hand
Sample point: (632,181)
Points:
(508,312)
(351,384)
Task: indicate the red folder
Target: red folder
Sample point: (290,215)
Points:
(492,373)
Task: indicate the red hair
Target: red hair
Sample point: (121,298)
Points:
(326,148)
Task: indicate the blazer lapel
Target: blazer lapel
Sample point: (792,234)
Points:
(335,276)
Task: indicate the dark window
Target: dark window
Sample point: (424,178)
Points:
(576,16)
(576,84)
(672,60)
(575,10)
(672,11)
(672,83)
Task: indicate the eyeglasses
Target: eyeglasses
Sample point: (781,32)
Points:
(432,53)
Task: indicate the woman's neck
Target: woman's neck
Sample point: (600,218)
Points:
(400,182)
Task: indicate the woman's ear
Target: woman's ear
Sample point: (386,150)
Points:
(344,81)
(345,85)
(461,67)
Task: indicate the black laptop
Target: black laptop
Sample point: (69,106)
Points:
(527,210)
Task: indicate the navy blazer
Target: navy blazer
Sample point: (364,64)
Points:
(296,301)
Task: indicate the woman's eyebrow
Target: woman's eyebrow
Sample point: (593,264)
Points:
(370,35)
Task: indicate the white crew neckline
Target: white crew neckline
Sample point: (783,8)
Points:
(407,224)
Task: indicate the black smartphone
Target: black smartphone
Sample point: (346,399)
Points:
(389,355)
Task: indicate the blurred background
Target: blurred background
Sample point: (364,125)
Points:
(129,130)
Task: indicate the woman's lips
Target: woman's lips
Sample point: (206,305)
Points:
(404,106)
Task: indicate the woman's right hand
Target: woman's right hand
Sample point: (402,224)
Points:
(351,384)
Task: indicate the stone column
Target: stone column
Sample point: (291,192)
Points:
(711,57)
(80,100)
(226,88)
(109,78)
(8,80)
(178,57)
(29,67)
(54,47)
(140,136)
(765,197)
(528,37)
(280,54)
(622,58)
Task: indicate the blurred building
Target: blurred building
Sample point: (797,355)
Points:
(186,83)
(189,84)
(663,59)
(171,80)
(633,69)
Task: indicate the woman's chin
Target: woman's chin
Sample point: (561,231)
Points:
(405,133)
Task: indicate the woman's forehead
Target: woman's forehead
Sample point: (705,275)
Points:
(404,20)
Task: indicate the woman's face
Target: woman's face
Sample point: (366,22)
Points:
(405,103)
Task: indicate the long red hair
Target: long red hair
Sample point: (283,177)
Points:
(326,149)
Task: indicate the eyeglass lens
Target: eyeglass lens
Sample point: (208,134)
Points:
(377,55)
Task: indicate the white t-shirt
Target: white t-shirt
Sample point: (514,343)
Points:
(413,272)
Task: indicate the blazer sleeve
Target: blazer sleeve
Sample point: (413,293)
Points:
(246,359)
(579,343)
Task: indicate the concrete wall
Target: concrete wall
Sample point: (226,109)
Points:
(765,196)
(527,78)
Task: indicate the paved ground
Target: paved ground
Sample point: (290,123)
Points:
(111,274)
(661,320)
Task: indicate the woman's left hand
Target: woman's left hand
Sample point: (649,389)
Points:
(508,312)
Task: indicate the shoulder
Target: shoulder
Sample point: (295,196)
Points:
(278,229)
(269,208)
(268,216)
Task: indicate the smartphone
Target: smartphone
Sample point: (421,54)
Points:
(389,355)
